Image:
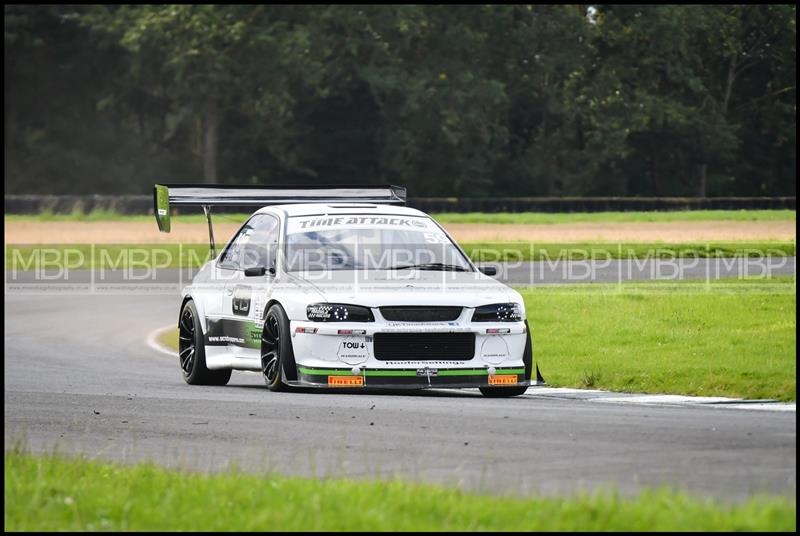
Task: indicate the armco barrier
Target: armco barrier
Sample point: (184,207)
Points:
(143,204)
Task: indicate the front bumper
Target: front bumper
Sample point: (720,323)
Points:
(343,355)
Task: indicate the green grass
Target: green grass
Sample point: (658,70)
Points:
(470,217)
(615,217)
(166,255)
(733,338)
(535,251)
(50,493)
(169,338)
(728,338)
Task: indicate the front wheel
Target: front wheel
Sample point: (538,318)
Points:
(503,392)
(192,351)
(276,348)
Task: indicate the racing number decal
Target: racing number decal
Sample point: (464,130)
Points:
(436,238)
(241,300)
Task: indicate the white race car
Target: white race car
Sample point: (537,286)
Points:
(344,287)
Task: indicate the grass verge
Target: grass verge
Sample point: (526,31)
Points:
(615,217)
(725,338)
(473,217)
(124,256)
(529,251)
(45,493)
(732,338)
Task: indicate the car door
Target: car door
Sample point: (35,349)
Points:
(243,299)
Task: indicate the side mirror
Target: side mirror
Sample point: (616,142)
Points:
(255,271)
(488,270)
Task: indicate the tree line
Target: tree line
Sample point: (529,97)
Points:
(495,100)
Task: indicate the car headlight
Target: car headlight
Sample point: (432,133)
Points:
(338,312)
(498,312)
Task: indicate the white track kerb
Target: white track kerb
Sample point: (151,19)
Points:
(591,395)
(152,341)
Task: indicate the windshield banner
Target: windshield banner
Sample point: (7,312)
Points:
(304,224)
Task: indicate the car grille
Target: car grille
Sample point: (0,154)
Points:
(422,346)
(421,313)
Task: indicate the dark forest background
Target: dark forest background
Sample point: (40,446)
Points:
(447,100)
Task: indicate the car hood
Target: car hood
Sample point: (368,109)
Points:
(375,288)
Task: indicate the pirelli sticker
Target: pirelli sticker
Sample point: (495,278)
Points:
(503,379)
(345,381)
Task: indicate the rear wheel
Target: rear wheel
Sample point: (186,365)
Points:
(276,348)
(192,351)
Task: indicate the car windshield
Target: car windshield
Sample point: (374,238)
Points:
(362,242)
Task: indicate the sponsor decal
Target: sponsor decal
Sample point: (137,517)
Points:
(162,208)
(257,306)
(225,338)
(346,381)
(222,331)
(427,372)
(255,335)
(307,224)
(353,350)
(360,220)
(503,379)
(494,350)
(241,300)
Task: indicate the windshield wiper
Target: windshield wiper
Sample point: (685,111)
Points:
(432,266)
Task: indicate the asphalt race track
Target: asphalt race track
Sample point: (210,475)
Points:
(79,377)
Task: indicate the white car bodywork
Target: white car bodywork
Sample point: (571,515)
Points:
(232,306)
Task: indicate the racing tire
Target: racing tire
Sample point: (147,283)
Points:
(192,350)
(503,392)
(276,348)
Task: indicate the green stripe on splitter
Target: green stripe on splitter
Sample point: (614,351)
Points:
(479,372)
(406,372)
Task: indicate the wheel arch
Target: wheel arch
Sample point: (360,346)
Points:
(270,303)
(184,301)
(201,313)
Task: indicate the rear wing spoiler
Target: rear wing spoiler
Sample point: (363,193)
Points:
(209,195)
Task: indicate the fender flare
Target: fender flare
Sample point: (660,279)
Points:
(198,304)
(531,365)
